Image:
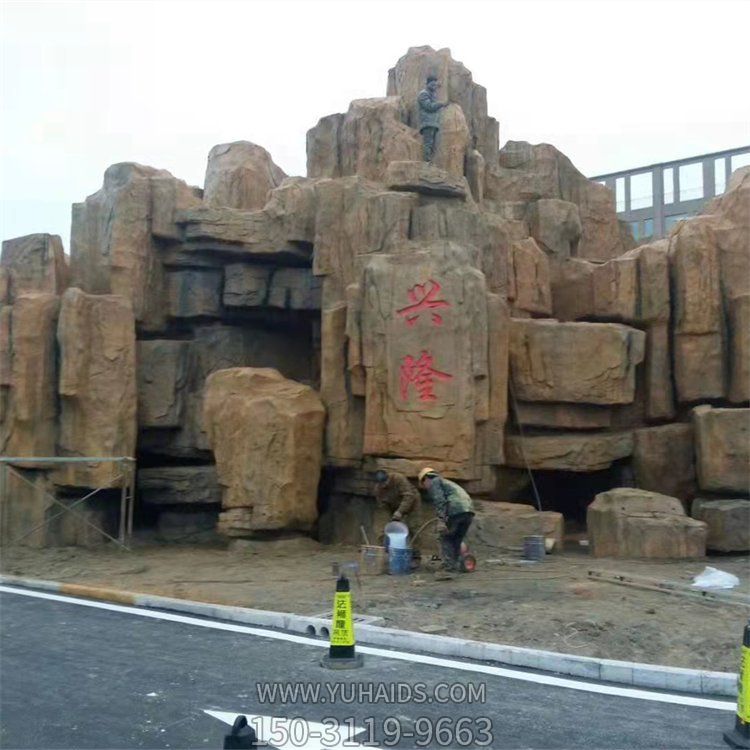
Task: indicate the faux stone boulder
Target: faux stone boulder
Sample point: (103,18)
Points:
(556,226)
(97,386)
(29,426)
(529,279)
(452,141)
(254,236)
(427,179)
(362,142)
(627,522)
(728,523)
(35,263)
(591,363)
(663,460)
(529,172)
(731,230)
(271,471)
(240,175)
(503,525)
(699,346)
(722,449)
(113,247)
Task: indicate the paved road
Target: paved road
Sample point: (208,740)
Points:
(86,677)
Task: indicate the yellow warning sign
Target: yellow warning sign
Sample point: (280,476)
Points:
(342,632)
(743,696)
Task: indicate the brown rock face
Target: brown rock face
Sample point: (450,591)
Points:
(112,247)
(564,416)
(634,523)
(34,263)
(658,376)
(731,230)
(663,460)
(591,363)
(362,142)
(4,286)
(270,472)
(722,449)
(556,226)
(29,427)
(739,349)
(698,341)
(194,294)
(265,286)
(6,354)
(179,485)
(527,173)
(452,142)
(728,523)
(240,175)
(568,452)
(615,286)
(162,376)
(97,386)
(529,279)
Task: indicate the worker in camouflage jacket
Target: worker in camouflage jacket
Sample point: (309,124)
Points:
(455,511)
(399,497)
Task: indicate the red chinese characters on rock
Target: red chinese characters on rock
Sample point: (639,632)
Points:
(422,375)
(423,298)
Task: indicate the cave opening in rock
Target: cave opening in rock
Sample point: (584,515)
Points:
(571,492)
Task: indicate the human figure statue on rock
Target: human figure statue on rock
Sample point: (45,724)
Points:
(429,116)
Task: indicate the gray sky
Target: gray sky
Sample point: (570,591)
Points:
(84,85)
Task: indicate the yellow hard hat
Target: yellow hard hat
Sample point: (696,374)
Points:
(427,470)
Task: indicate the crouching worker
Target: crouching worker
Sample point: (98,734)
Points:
(401,499)
(454,508)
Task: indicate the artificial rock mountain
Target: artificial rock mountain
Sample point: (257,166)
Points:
(263,344)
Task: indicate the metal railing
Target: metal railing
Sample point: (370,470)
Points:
(125,479)
(670,191)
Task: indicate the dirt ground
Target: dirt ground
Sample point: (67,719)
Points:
(551,605)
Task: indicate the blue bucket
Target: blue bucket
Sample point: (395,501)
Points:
(399,561)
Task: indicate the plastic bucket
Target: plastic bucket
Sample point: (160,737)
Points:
(399,561)
(398,535)
(533,547)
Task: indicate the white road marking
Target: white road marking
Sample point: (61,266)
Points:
(295,734)
(511,674)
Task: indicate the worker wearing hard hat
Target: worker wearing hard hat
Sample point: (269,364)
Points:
(454,508)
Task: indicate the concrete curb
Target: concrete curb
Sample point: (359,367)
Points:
(627,673)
